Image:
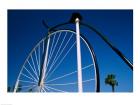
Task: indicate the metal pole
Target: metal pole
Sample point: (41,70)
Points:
(44,64)
(79,67)
(119,53)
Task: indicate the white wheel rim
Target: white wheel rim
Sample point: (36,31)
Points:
(29,74)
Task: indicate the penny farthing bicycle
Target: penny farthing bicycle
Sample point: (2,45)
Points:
(58,63)
(63,61)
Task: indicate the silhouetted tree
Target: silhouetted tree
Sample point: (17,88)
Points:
(110,80)
(9,89)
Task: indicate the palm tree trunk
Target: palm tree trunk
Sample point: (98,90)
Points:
(113,88)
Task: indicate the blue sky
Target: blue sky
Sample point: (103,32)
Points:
(25,30)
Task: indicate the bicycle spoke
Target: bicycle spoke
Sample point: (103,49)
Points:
(33,70)
(60,61)
(56,89)
(27,81)
(44,89)
(30,73)
(54,60)
(47,88)
(27,76)
(72,83)
(43,46)
(34,67)
(37,62)
(59,54)
(68,74)
(26,86)
(30,88)
(39,58)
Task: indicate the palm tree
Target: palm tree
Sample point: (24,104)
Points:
(110,80)
(9,89)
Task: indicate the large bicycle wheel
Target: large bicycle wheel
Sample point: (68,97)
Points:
(60,69)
